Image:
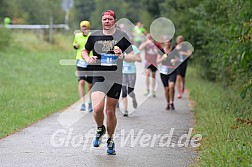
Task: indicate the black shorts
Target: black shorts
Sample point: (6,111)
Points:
(181,70)
(152,68)
(83,76)
(111,89)
(166,79)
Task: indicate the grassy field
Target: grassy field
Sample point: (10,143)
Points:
(222,119)
(33,83)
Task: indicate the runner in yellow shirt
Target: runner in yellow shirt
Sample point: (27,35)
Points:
(80,40)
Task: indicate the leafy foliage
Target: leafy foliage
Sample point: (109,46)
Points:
(221,34)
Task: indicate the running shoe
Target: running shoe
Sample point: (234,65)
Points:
(146,92)
(179,96)
(168,107)
(172,106)
(134,103)
(126,114)
(83,107)
(153,93)
(111,147)
(90,108)
(98,137)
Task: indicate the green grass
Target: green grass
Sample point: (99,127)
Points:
(226,140)
(33,84)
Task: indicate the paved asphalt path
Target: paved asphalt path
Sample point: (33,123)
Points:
(150,136)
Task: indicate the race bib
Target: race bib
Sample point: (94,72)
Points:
(165,70)
(181,58)
(82,63)
(108,59)
(126,69)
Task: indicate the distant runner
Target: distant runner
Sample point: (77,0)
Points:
(79,42)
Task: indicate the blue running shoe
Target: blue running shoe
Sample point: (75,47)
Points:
(98,137)
(83,107)
(90,108)
(111,147)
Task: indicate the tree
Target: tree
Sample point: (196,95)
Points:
(83,11)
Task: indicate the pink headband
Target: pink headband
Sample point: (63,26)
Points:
(110,13)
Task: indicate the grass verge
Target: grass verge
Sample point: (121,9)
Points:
(33,83)
(224,120)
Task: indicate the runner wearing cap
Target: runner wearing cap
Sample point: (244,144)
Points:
(79,42)
(110,47)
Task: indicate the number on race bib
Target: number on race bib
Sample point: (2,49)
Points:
(108,59)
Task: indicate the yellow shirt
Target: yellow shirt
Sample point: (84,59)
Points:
(81,40)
